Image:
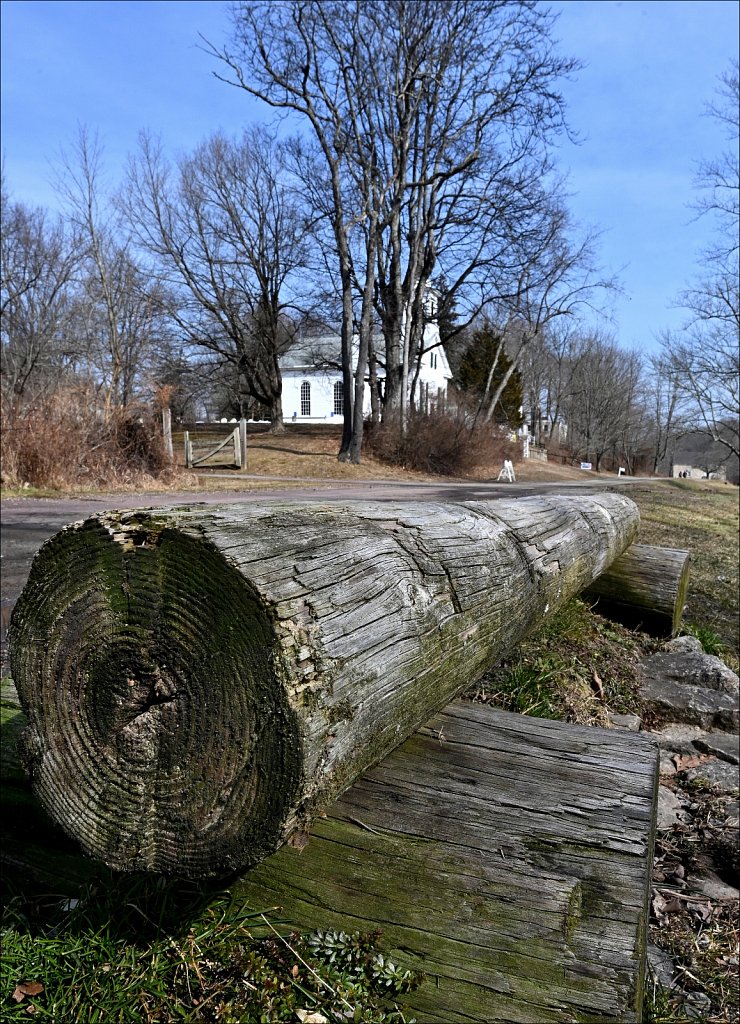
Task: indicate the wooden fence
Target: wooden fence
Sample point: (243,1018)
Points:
(208,449)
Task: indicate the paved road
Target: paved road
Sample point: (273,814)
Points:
(27,522)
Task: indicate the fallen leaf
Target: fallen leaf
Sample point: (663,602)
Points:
(684,761)
(27,988)
(672,907)
(659,908)
(597,686)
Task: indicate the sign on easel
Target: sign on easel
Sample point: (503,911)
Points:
(507,472)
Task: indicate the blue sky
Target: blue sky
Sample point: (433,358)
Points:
(638,105)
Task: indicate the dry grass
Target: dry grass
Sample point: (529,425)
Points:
(310,452)
(70,443)
(307,453)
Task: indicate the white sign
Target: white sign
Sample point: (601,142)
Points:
(585,465)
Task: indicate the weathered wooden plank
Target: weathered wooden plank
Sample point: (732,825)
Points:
(508,858)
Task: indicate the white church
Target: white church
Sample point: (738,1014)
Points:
(312,374)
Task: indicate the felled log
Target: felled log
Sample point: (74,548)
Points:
(200,682)
(646,586)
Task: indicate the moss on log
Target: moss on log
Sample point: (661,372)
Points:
(200,681)
(647,586)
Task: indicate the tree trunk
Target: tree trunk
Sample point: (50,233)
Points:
(200,682)
(645,586)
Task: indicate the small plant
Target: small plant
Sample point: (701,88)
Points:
(525,689)
(152,951)
(710,642)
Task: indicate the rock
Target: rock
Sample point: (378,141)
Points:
(660,967)
(728,808)
(691,669)
(684,645)
(725,747)
(677,738)
(688,703)
(667,767)
(631,722)
(670,810)
(697,1005)
(718,775)
(711,885)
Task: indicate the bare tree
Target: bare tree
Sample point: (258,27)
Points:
(299,56)
(229,239)
(118,306)
(479,83)
(404,99)
(706,366)
(548,276)
(603,408)
(665,401)
(705,356)
(38,260)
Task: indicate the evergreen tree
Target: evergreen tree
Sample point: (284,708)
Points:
(473,375)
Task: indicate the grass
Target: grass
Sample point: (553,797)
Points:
(704,519)
(309,452)
(576,669)
(146,950)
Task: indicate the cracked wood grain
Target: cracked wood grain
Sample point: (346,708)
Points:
(199,682)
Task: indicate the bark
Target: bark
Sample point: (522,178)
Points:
(646,584)
(201,682)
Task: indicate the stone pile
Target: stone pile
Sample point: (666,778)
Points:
(690,704)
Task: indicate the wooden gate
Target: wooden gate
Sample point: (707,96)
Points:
(229,451)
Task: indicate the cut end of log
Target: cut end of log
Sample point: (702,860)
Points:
(157,734)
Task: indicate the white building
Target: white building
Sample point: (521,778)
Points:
(312,375)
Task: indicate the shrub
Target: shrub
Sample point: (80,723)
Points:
(440,443)
(68,441)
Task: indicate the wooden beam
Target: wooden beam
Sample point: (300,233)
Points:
(506,857)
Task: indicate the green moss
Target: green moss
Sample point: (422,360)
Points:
(573,912)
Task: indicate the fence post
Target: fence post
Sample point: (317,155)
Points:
(242,443)
(167,431)
(188,451)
